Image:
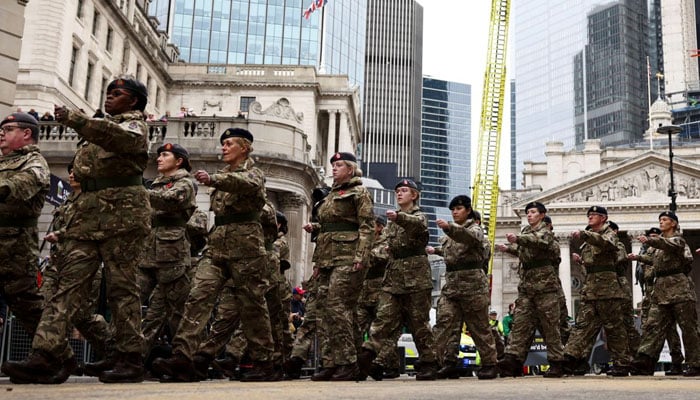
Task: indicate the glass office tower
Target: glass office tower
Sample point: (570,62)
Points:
(445,148)
(271,32)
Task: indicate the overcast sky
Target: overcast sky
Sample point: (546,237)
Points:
(455,35)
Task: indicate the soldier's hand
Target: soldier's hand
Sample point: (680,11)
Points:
(430,249)
(576,234)
(632,256)
(308,227)
(60,113)
(501,247)
(391,215)
(358,266)
(51,237)
(442,224)
(202,177)
(643,239)
(576,257)
(511,237)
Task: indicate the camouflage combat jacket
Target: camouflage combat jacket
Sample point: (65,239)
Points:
(173,201)
(110,148)
(345,227)
(63,214)
(238,194)
(671,285)
(463,247)
(537,250)
(599,254)
(197,231)
(268,220)
(408,270)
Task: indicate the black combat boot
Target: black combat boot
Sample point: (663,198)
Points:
(292,367)
(325,374)
(226,365)
(510,366)
(346,372)
(676,370)
(39,367)
(619,370)
(177,368)
(487,372)
(391,373)
(127,369)
(449,371)
(642,365)
(201,363)
(263,371)
(555,370)
(428,372)
(376,371)
(364,362)
(97,368)
(692,371)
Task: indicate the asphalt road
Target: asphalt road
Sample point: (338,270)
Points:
(530,387)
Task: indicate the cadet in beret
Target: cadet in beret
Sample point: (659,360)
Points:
(646,276)
(538,302)
(236,251)
(406,298)
(24,183)
(604,302)
(464,298)
(166,259)
(674,298)
(112,219)
(346,229)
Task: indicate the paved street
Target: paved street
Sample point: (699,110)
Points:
(532,387)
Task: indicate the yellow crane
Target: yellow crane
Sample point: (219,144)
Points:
(485,195)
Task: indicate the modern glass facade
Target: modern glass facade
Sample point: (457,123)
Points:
(268,32)
(445,147)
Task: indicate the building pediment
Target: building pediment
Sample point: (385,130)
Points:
(641,181)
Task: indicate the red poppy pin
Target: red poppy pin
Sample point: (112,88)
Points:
(341,192)
(169,185)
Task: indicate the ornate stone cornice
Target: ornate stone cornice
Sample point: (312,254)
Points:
(280,109)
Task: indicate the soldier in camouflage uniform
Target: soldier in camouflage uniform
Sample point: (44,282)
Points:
(369,301)
(24,183)
(236,251)
(603,299)
(111,221)
(346,225)
(407,286)
(166,259)
(564,328)
(465,296)
(622,267)
(673,298)
(537,303)
(647,285)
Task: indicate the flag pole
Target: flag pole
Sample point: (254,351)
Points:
(651,131)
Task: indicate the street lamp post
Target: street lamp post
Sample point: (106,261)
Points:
(670,130)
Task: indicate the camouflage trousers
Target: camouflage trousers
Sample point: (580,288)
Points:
(632,332)
(18,270)
(451,314)
(307,331)
(167,300)
(93,327)
(339,289)
(593,315)
(564,328)
(674,341)
(410,309)
(533,311)
(661,317)
(250,277)
(366,313)
(77,265)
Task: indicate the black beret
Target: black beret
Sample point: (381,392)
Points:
(20,117)
(653,230)
(129,84)
(320,193)
(536,204)
(281,218)
(406,183)
(547,219)
(597,209)
(669,214)
(177,150)
(461,200)
(380,220)
(613,226)
(236,132)
(343,156)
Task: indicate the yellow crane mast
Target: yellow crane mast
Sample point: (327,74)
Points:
(485,195)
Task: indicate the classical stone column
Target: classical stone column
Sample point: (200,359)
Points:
(344,136)
(295,208)
(330,146)
(565,269)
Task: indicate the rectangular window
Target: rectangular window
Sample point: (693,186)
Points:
(95,23)
(79,12)
(103,89)
(138,71)
(245,103)
(88,79)
(158,97)
(73,58)
(109,39)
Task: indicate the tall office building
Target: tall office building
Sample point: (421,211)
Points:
(392,90)
(548,34)
(445,147)
(268,32)
(610,75)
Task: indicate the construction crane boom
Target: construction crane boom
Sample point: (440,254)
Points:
(485,195)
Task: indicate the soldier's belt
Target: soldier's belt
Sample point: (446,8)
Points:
(95,184)
(237,218)
(464,266)
(339,227)
(406,253)
(536,264)
(668,272)
(169,221)
(269,246)
(18,222)
(592,269)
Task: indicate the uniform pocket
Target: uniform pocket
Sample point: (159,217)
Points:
(171,245)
